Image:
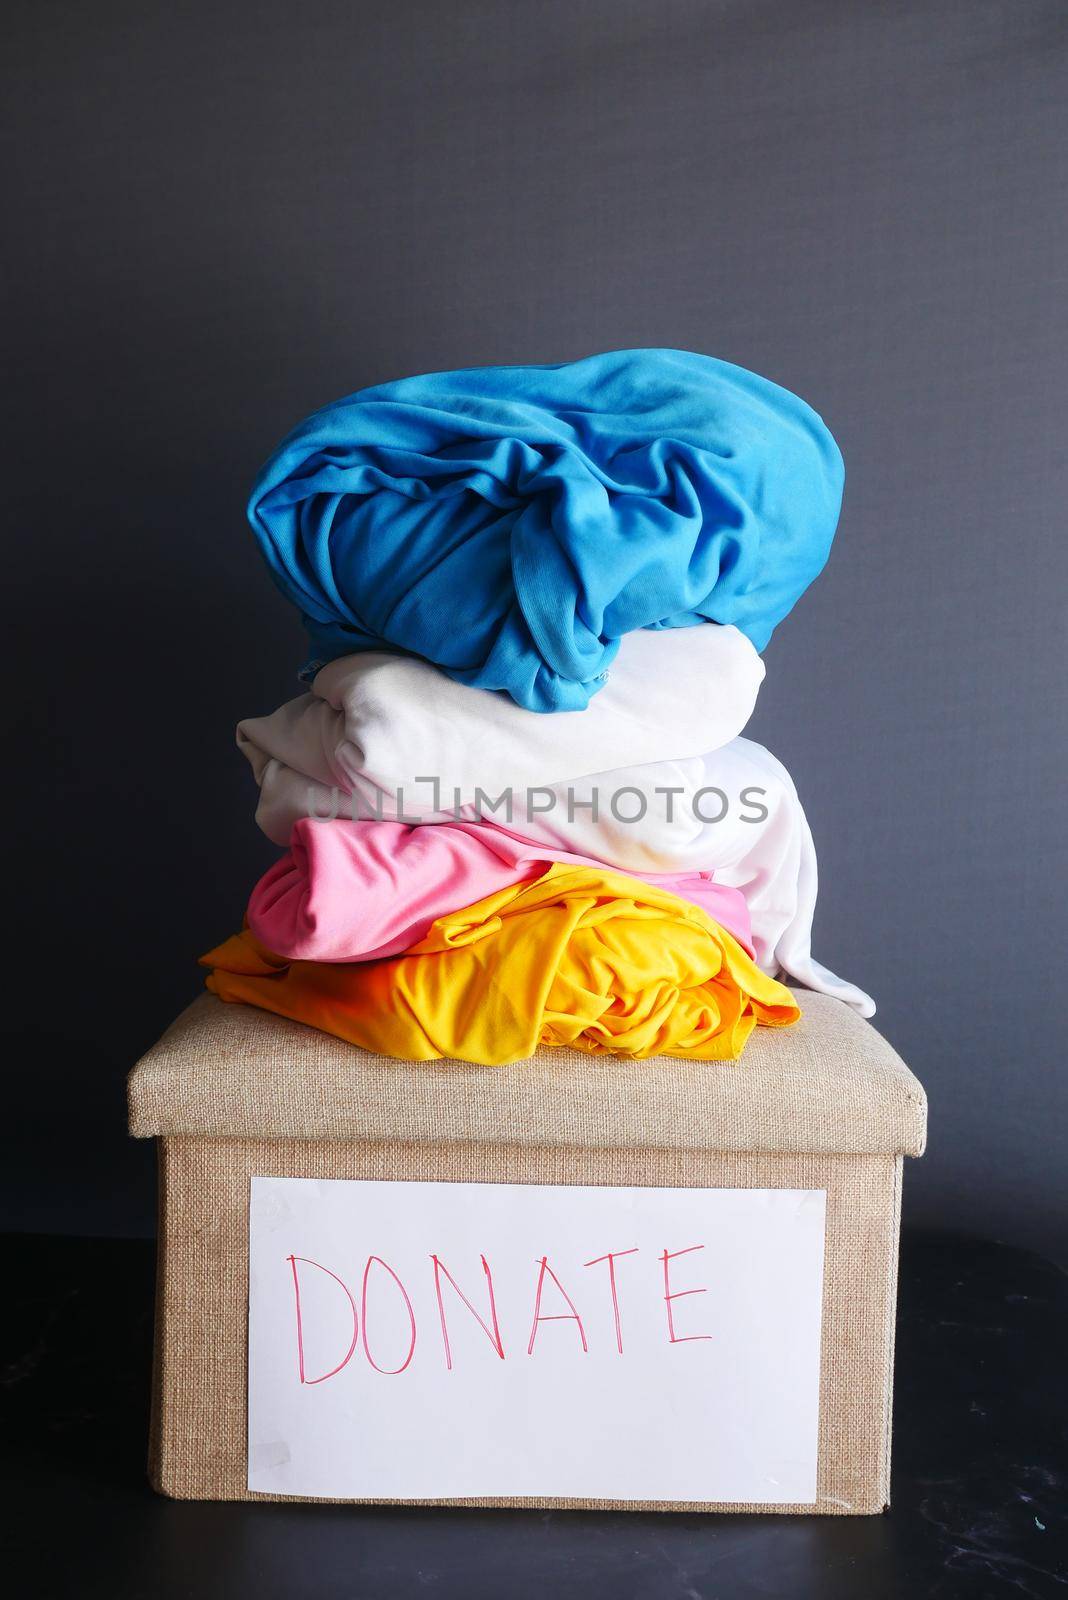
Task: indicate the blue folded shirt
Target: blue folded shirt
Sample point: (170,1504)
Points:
(511,524)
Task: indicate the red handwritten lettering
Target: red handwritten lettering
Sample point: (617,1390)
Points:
(612,1257)
(300,1321)
(679,1294)
(492,1334)
(390,1372)
(562,1316)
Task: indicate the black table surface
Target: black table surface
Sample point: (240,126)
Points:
(978,1486)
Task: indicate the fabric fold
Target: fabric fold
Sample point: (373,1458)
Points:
(392,728)
(512,524)
(580,957)
(734,813)
(358,891)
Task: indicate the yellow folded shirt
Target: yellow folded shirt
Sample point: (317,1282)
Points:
(582,957)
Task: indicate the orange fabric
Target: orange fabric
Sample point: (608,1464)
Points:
(579,956)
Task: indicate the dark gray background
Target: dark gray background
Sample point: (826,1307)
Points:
(223,216)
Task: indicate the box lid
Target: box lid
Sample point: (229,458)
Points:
(830,1084)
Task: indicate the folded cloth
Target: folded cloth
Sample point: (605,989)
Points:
(580,957)
(734,813)
(356,891)
(512,524)
(385,725)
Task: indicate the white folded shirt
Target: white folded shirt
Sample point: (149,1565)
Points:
(733,812)
(375,722)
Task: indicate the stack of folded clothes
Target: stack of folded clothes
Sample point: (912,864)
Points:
(514,801)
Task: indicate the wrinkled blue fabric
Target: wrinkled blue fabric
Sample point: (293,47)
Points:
(512,523)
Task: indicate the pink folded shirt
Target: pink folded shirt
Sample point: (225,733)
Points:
(356,891)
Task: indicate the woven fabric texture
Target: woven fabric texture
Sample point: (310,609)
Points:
(828,1085)
(199,1428)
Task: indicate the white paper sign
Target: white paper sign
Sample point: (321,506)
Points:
(439,1340)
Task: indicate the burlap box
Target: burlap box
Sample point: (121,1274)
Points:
(230,1092)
